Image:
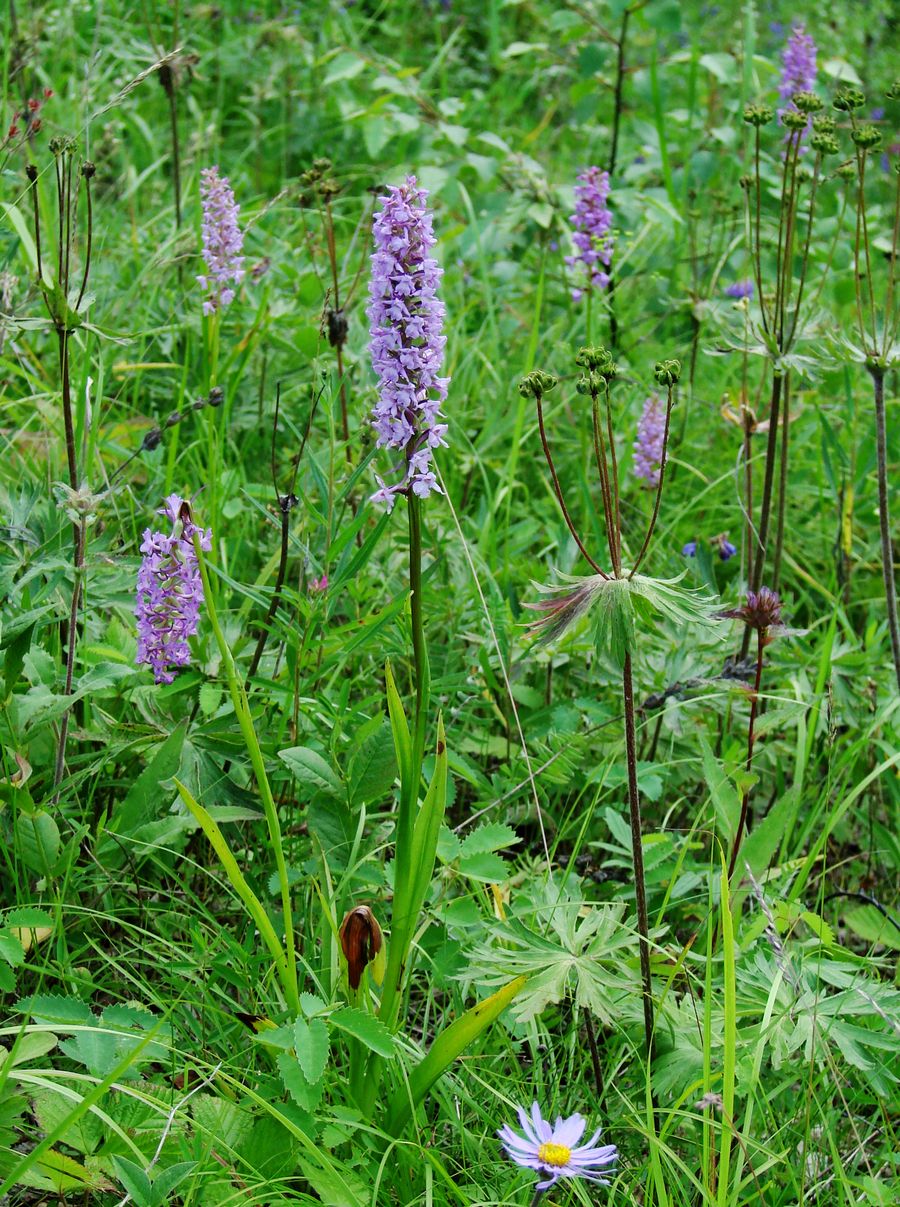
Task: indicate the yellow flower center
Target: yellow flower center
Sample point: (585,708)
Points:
(554,1154)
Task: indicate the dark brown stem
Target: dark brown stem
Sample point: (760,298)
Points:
(614,480)
(762,536)
(90,241)
(782,482)
(558,490)
(637,850)
(751,737)
(887,552)
(613,156)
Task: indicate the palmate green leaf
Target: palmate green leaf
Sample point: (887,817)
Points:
(590,953)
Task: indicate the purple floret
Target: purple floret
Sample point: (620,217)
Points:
(739,290)
(223,241)
(169,592)
(648,447)
(407,340)
(592,221)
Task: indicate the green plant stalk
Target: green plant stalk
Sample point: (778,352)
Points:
(884,517)
(765,509)
(421,669)
(640,889)
(751,737)
(245,721)
(729,1053)
(449,1044)
(782,483)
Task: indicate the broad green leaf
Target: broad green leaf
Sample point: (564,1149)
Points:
(134,1180)
(49,1008)
(493,836)
(165,1182)
(449,1044)
(145,798)
(373,767)
(309,768)
(38,840)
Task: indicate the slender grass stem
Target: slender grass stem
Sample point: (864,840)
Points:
(558,489)
(640,891)
(257,762)
(887,552)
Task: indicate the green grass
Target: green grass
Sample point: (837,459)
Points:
(148,1045)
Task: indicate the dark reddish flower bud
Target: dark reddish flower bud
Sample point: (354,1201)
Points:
(36,125)
(361,941)
(33,105)
(48,92)
(13,131)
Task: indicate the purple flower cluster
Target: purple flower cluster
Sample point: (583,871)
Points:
(592,221)
(223,240)
(169,591)
(798,71)
(648,447)
(406,339)
(739,290)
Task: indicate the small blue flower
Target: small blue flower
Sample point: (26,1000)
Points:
(690,549)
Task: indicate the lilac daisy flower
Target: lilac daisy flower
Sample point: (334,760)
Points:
(648,447)
(592,221)
(406,339)
(223,240)
(553,1151)
(169,591)
(739,290)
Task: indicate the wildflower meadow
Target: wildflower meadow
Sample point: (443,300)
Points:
(449,639)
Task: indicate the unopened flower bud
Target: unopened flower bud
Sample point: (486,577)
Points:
(824,123)
(31,172)
(87,169)
(847,170)
(173,419)
(893,93)
(667,372)
(537,383)
(361,941)
(216,396)
(849,98)
(151,440)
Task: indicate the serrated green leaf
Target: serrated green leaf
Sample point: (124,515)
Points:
(312,1047)
(369,1030)
(491,869)
(306,1095)
(49,1008)
(310,1004)
(494,836)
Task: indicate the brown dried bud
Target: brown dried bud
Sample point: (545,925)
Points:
(360,941)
